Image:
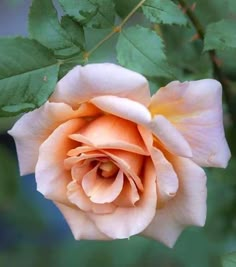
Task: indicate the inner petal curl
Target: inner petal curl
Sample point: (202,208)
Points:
(101,190)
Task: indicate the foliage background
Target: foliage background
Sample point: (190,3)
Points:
(33,232)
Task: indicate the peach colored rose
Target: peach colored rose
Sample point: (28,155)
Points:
(118,162)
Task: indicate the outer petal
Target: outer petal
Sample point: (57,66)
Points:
(123,108)
(187,208)
(195,109)
(84,83)
(50,174)
(167,180)
(171,138)
(33,128)
(125,222)
(81,226)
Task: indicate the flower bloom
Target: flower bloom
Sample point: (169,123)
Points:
(118,162)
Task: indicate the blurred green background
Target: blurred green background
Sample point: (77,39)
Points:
(33,232)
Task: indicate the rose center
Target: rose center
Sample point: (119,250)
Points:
(108,169)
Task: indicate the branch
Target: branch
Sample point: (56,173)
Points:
(212,54)
(115,30)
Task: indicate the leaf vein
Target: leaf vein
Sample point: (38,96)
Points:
(138,49)
(28,71)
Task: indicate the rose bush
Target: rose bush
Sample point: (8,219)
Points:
(118,162)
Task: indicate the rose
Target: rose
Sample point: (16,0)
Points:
(117,162)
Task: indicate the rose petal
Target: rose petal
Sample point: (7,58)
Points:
(88,110)
(130,163)
(33,128)
(79,150)
(129,194)
(50,174)
(79,170)
(195,109)
(83,83)
(123,108)
(102,190)
(71,161)
(135,112)
(108,132)
(188,207)
(167,180)
(147,136)
(77,196)
(170,137)
(125,222)
(81,226)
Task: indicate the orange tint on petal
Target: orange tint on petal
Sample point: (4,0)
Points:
(111,132)
(79,150)
(51,176)
(129,194)
(33,128)
(130,163)
(88,110)
(127,221)
(124,108)
(102,190)
(77,196)
(79,170)
(71,161)
(167,180)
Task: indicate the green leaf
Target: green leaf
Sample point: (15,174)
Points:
(142,50)
(211,10)
(92,13)
(156,83)
(153,86)
(229,260)
(163,11)
(123,7)
(28,75)
(46,29)
(74,30)
(106,52)
(66,67)
(76,34)
(220,35)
